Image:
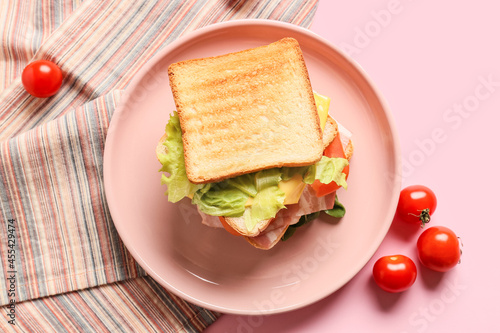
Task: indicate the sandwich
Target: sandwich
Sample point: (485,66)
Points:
(251,144)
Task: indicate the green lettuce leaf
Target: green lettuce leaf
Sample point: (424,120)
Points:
(178,185)
(268,200)
(226,198)
(267,178)
(328,169)
(266,204)
(289,172)
(338,209)
(245,183)
(229,197)
(220,200)
(304,219)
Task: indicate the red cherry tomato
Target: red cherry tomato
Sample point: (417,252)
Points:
(439,249)
(42,78)
(416,204)
(334,149)
(394,273)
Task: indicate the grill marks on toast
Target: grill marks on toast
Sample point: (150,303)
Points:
(246,111)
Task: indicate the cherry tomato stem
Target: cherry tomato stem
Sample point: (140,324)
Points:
(416,204)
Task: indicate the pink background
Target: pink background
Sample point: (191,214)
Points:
(437,63)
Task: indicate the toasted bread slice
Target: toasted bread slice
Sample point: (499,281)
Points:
(276,237)
(246,111)
(349,150)
(161,149)
(238,224)
(330,132)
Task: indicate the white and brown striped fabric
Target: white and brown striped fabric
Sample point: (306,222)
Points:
(71,271)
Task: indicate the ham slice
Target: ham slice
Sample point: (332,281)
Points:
(209,220)
(345,135)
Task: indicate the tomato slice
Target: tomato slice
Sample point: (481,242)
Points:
(334,149)
(228,227)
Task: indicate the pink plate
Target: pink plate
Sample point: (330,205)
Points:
(209,267)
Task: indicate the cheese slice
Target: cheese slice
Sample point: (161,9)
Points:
(322,104)
(293,188)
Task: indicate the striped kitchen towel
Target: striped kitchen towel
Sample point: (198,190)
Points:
(138,305)
(64,268)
